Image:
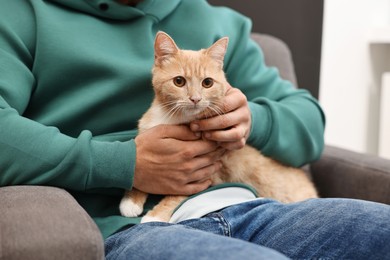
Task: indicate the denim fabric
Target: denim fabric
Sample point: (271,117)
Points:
(313,229)
(165,241)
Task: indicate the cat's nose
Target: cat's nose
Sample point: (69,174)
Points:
(195,99)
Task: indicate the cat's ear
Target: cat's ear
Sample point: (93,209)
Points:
(164,47)
(217,51)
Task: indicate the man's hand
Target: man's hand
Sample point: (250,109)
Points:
(174,160)
(232,129)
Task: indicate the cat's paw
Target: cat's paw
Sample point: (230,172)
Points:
(146,219)
(129,209)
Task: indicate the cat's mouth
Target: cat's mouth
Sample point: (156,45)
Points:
(199,110)
(194,109)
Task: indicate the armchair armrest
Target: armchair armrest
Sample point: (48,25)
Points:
(347,174)
(46,223)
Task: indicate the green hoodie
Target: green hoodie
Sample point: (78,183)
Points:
(75,78)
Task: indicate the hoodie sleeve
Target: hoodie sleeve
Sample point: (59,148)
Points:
(287,123)
(35,154)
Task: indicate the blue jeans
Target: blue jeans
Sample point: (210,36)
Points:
(265,229)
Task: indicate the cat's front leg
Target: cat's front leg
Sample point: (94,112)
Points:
(132,203)
(163,211)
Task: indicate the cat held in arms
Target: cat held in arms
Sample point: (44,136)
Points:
(177,79)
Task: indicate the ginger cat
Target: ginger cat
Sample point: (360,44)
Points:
(188,85)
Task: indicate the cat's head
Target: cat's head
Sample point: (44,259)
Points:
(188,83)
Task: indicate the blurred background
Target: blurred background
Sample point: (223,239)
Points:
(341,52)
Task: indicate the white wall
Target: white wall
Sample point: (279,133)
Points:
(351,69)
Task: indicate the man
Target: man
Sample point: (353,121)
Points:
(74,80)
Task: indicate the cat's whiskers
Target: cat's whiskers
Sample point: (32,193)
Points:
(168,104)
(216,107)
(177,111)
(171,113)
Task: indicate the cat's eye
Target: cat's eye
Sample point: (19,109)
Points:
(207,82)
(179,81)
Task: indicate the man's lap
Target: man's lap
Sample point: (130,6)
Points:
(332,228)
(158,240)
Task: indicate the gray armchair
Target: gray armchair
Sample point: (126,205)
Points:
(47,223)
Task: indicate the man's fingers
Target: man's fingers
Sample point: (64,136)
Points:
(196,187)
(220,122)
(179,132)
(230,135)
(205,172)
